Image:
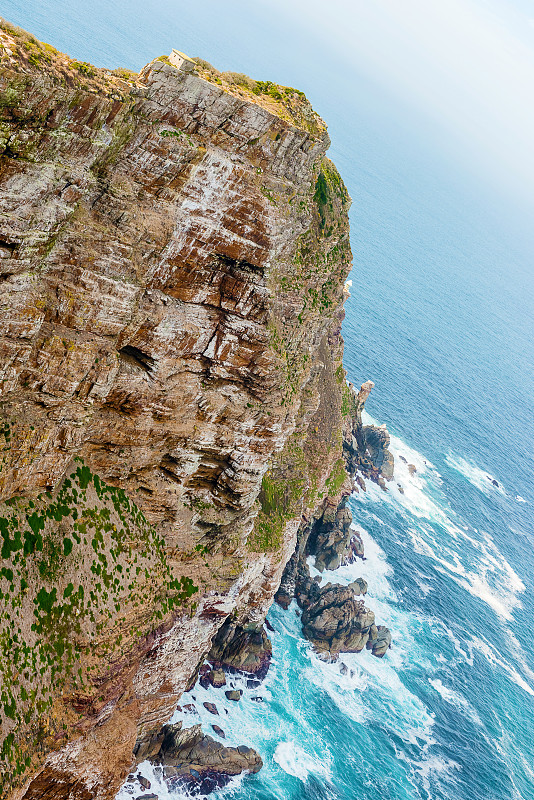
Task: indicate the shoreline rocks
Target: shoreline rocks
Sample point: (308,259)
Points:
(379,640)
(337,622)
(241,649)
(196,762)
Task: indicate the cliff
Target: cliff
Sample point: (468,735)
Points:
(173,253)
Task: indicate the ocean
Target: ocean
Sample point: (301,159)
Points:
(441,319)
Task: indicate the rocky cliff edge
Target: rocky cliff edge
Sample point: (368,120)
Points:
(173,253)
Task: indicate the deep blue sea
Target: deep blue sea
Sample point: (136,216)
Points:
(441,319)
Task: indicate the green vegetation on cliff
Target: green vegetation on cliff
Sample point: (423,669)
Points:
(82,573)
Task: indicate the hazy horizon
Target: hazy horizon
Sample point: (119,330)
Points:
(462,69)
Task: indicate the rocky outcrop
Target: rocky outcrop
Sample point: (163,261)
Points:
(196,762)
(332,540)
(336,622)
(366,446)
(379,640)
(173,253)
(238,649)
(333,619)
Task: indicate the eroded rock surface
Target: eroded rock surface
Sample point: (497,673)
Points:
(239,649)
(173,253)
(196,762)
(336,622)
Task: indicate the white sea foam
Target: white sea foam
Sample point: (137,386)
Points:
(479,478)
(455,699)
(435,765)
(132,790)
(493,580)
(374,569)
(480,569)
(294,760)
(416,498)
(494,658)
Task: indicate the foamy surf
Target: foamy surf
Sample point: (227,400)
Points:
(479,568)
(455,699)
(476,476)
(294,760)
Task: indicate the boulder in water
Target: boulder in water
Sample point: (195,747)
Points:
(337,622)
(200,764)
(217,678)
(234,694)
(379,640)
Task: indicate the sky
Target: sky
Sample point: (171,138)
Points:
(465,67)
(468,65)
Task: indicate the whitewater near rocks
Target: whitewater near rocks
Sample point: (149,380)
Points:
(174,404)
(447,551)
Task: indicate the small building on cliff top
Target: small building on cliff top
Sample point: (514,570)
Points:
(181,61)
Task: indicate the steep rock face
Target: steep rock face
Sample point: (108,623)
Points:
(173,252)
(366,446)
(333,619)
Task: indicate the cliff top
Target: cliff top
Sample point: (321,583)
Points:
(289,104)
(22,52)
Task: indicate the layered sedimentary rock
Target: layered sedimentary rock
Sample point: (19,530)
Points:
(173,252)
(242,649)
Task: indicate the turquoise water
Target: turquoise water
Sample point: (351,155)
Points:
(441,320)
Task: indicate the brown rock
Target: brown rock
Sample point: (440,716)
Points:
(242,649)
(193,761)
(337,622)
(217,678)
(160,238)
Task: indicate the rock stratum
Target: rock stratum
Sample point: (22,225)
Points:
(173,404)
